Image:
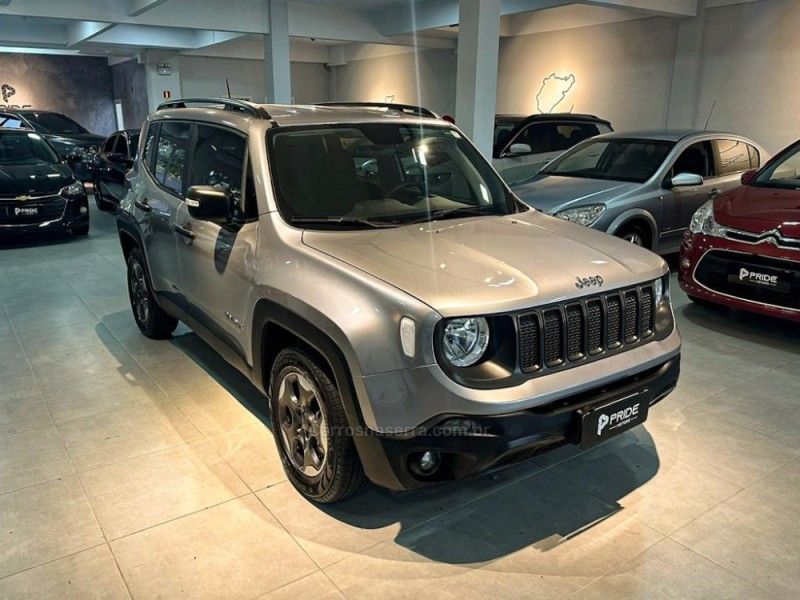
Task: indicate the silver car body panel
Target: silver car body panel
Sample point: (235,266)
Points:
(356,286)
(668,210)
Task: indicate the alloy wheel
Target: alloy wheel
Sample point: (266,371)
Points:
(634,237)
(140,298)
(304,430)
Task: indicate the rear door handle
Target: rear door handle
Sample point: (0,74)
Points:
(142,205)
(186,233)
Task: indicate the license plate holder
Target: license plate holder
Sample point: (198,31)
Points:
(765,278)
(23,212)
(613,418)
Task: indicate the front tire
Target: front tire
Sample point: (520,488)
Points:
(81,231)
(149,316)
(636,235)
(102,203)
(311,429)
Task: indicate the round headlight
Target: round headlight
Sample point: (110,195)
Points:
(465,340)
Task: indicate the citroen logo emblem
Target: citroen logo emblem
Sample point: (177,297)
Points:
(773,241)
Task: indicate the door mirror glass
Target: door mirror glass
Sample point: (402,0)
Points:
(119,158)
(516,149)
(209,203)
(686,180)
(748,176)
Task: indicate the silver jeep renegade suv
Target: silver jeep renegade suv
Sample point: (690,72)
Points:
(408,318)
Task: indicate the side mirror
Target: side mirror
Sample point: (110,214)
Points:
(686,180)
(121,159)
(209,203)
(748,176)
(516,149)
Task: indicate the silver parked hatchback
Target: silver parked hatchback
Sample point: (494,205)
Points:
(406,316)
(642,186)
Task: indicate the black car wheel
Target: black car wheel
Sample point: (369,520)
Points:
(100,200)
(81,231)
(311,429)
(150,317)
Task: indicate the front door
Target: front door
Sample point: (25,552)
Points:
(156,205)
(680,203)
(217,260)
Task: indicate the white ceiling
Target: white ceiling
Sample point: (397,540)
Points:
(127,27)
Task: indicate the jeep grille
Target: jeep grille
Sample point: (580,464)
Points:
(567,334)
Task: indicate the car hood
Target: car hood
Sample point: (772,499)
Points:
(78,140)
(759,209)
(551,193)
(34,180)
(481,265)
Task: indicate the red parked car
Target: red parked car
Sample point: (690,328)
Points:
(742,248)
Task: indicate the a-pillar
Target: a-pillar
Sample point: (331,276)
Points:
(476,78)
(277,65)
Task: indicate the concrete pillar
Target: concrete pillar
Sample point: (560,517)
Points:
(162,77)
(683,110)
(277,63)
(476,77)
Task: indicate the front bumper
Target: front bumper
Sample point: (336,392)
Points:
(695,248)
(469,444)
(74,213)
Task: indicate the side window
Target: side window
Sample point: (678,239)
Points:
(122,146)
(149,146)
(734,156)
(219,159)
(569,134)
(108,147)
(10,122)
(696,159)
(538,136)
(173,140)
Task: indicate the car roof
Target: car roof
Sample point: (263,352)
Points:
(668,135)
(562,116)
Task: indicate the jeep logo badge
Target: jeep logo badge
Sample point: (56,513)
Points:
(585,282)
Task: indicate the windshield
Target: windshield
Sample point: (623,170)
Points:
(783,173)
(47,122)
(633,160)
(386,174)
(24,148)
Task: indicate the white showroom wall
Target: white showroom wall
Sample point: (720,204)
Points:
(619,71)
(205,76)
(427,78)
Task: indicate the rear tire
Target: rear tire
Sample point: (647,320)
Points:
(99,200)
(150,317)
(311,429)
(635,234)
(81,231)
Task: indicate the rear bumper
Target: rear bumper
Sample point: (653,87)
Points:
(469,444)
(697,247)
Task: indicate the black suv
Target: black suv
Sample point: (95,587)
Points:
(38,190)
(71,140)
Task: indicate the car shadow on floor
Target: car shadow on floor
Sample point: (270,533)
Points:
(524,504)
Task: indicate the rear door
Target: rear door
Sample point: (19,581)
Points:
(156,206)
(217,261)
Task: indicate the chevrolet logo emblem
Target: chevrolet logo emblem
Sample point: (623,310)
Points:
(22,198)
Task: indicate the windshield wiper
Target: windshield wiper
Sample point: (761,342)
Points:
(351,221)
(446,213)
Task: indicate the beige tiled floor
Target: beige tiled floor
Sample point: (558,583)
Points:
(134,468)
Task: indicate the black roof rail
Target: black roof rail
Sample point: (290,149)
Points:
(227,104)
(403,108)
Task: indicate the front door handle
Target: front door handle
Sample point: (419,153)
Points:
(187,234)
(142,205)
(714,192)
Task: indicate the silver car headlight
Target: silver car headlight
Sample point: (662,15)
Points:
(583,215)
(703,220)
(73,190)
(464,340)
